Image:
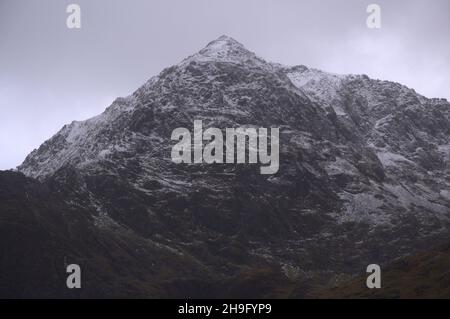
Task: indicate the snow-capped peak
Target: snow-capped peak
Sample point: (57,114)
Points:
(224,49)
(223,44)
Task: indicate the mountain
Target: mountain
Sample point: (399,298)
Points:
(364,177)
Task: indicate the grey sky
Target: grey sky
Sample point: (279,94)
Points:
(51,75)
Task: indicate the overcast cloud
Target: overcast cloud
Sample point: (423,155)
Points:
(51,75)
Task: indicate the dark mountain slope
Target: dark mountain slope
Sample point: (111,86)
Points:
(40,234)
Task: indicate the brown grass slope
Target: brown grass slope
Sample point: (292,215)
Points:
(424,275)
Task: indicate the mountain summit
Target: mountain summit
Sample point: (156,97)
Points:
(225,49)
(224,44)
(363,178)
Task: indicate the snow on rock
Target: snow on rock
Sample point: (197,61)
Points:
(320,86)
(391,159)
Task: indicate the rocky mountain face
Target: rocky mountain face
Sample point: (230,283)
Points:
(364,177)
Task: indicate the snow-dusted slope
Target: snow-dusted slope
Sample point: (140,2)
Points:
(321,87)
(81,142)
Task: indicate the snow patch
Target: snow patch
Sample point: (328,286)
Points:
(321,86)
(392,159)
